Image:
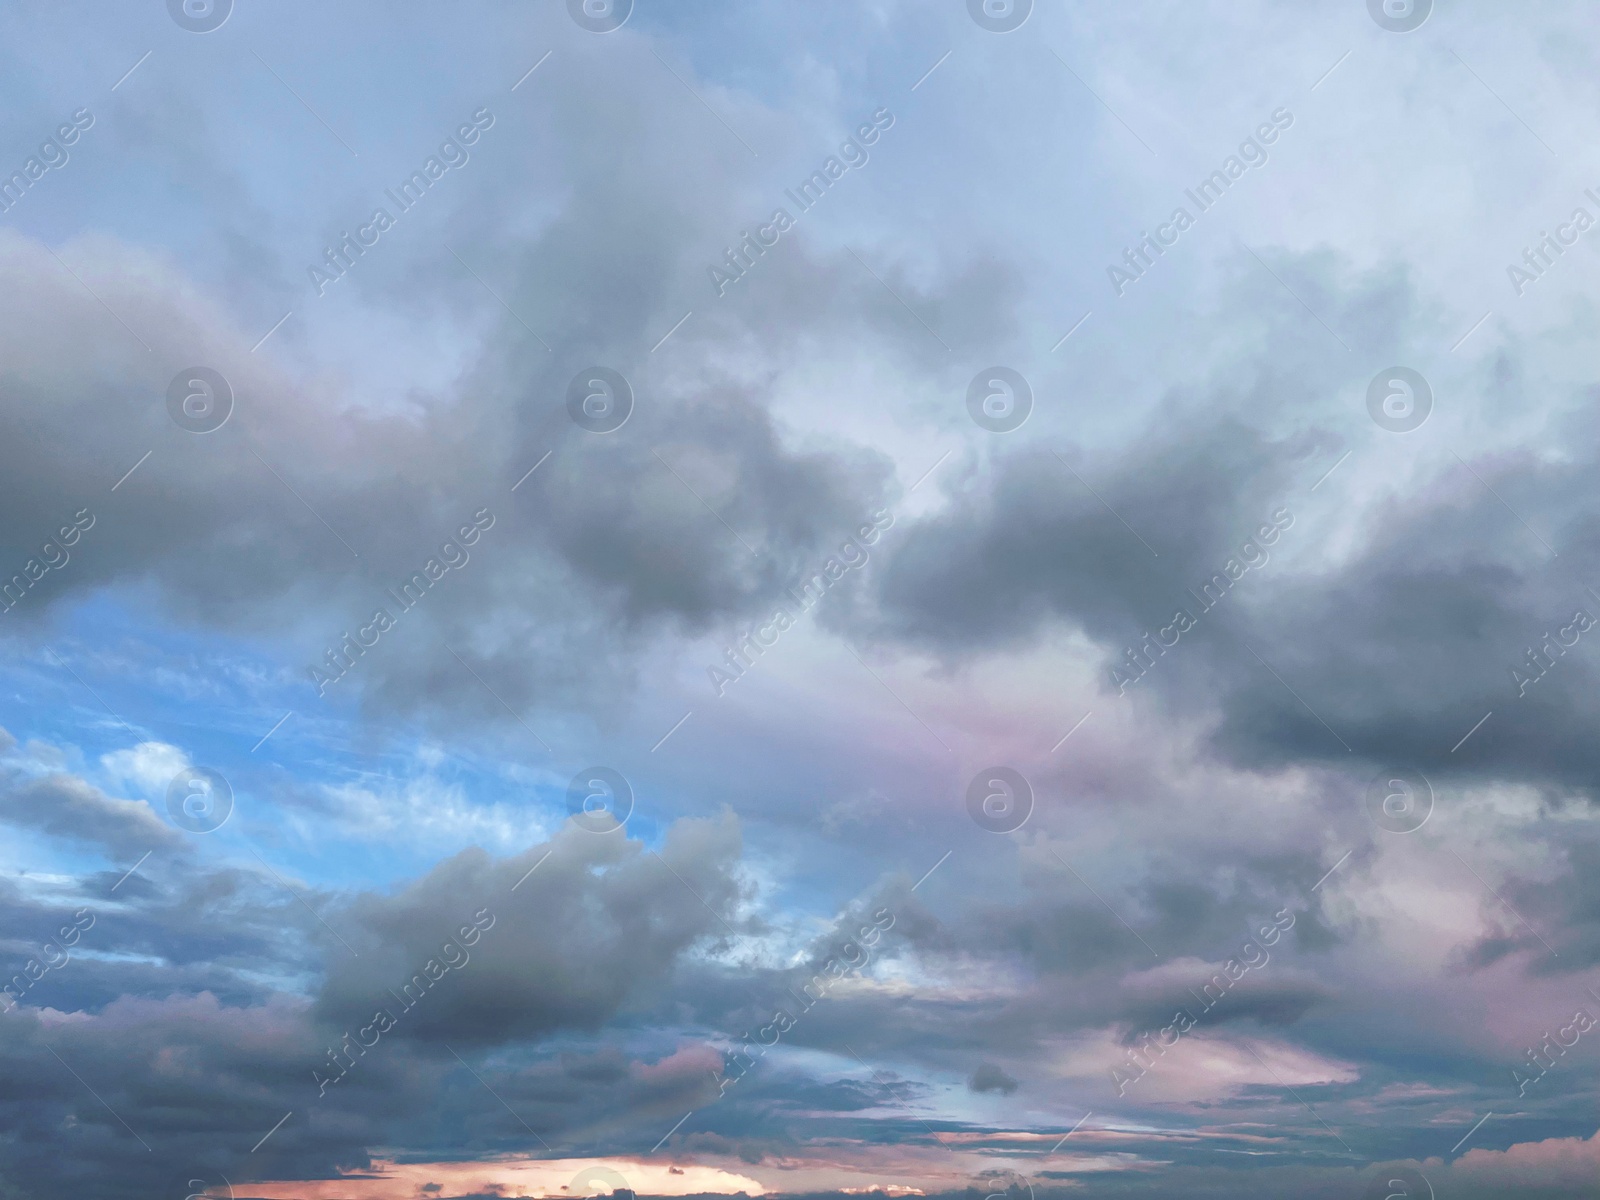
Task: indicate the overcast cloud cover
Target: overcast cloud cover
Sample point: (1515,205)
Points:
(939,597)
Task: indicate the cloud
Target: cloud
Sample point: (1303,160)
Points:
(990,1078)
(68,807)
(150,766)
(597,921)
(1554,1167)
(1034,544)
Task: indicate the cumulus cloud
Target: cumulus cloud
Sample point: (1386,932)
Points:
(594,921)
(67,806)
(990,1078)
(150,766)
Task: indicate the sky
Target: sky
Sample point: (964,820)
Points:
(920,597)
